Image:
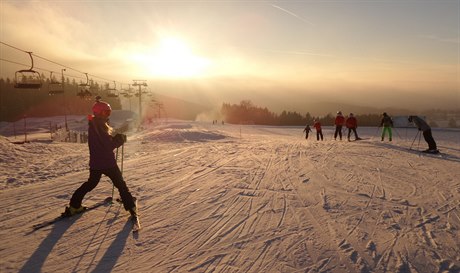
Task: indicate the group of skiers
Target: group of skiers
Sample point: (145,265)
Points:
(351,123)
(319,131)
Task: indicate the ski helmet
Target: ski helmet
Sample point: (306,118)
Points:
(101,108)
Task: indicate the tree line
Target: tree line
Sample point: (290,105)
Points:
(247,113)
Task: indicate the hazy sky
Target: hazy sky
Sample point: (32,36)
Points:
(362,52)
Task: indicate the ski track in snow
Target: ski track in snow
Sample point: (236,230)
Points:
(236,198)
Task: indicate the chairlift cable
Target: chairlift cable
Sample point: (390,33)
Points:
(13,47)
(13,62)
(43,58)
(39,68)
(48,60)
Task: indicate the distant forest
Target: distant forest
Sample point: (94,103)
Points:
(248,113)
(49,100)
(52,99)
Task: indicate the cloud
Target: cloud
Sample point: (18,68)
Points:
(41,29)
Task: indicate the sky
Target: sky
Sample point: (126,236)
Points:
(280,54)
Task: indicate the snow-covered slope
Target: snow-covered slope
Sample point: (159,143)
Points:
(229,198)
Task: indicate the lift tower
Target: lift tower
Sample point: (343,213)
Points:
(140,83)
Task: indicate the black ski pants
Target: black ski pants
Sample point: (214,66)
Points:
(94,177)
(354,131)
(338,131)
(429,139)
(319,134)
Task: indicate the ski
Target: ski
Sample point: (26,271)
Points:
(357,139)
(425,153)
(436,153)
(433,152)
(64,215)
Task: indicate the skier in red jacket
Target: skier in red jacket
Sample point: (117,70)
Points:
(352,124)
(319,131)
(339,121)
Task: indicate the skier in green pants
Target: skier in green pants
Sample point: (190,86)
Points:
(387,124)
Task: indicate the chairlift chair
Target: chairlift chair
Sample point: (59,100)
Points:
(127,92)
(28,78)
(112,92)
(84,92)
(54,87)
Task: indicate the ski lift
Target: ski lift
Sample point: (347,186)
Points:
(28,78)
(127,93)
(84,92)
(143,91)
(112,92)
(55,87)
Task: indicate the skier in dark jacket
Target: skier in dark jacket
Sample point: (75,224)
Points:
(102,160)
(307,130)
(387,124)
(426,129)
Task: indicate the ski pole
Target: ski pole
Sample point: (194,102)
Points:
(397,133)
(113,185)
(376,132)
(122,156)
(121,169)
(418,132)
(419,137)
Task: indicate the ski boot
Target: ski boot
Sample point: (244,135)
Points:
(71,211)
(135,217)
(133,211)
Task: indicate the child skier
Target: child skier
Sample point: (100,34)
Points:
(102,160)
(307,130)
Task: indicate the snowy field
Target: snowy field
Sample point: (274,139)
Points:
(230,198)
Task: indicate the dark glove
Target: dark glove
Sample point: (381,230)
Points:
(120,138)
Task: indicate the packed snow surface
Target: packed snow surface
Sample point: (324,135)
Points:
(231,198)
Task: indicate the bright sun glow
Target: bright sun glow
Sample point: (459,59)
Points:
(173,58)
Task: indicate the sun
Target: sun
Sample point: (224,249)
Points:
(173,58)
